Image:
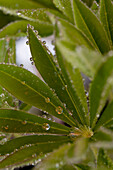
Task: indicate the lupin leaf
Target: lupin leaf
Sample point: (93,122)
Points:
(18,4)
(48,70)
(18,82)
(88,23)
(99,90)
(88,2)
(65,7)
(71,34)
(15,121)
(17,27)
(104,160)
(75,88)
(88,61)
(29,153)
(72,153)
(106,116)
(16,143)
(106,17)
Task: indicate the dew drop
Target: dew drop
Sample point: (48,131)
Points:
(59,110)
(27,42)
(24,122)
(44,42)
(47,100)
(6,127)
(46,126)
(21,65)
(32,63)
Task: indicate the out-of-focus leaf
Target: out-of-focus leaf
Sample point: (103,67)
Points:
(71,34)
(99,90)
(75,87)
(30,140)
(66,7)
(106,17)
(29,154)
(88,61)
(15,121)
(15,28)
(82,167)
(106,116)
(102,135)
(104,160)
(18,4)
(68,153)
(88,23)
(49,71)
(18,82)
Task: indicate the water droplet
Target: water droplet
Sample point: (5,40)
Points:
(46,126)
(32,63)
(6,127)
(59,110)
(44,42)
(21,65)
(98,115)
(47,100)
(57,165)
(24,122)
(27,42)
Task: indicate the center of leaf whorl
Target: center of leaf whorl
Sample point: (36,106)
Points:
(83,131)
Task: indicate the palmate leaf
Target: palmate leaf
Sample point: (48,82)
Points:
(18,82)
(31,153)
(75,87)
(18,27)
(65,7)
(15,121)
(20,142)
(88,23)
(99,90)
(106,17)
(48,70)
(68,153)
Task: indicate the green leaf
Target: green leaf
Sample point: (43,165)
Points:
(88,23)
(71,34)
(29,153)
(102,135)
(104,160)
(15,121)
(75,87)
(106,17)
(46,3)
(30,140)
(65,154)
(88,2)
(15,28)
(18,82)
(65,7)
(18,4)
(48,69)
(99,90)
(88,61)
(106,116)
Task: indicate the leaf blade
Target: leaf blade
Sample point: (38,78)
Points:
(15,121)
(88,23)
(99,90)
